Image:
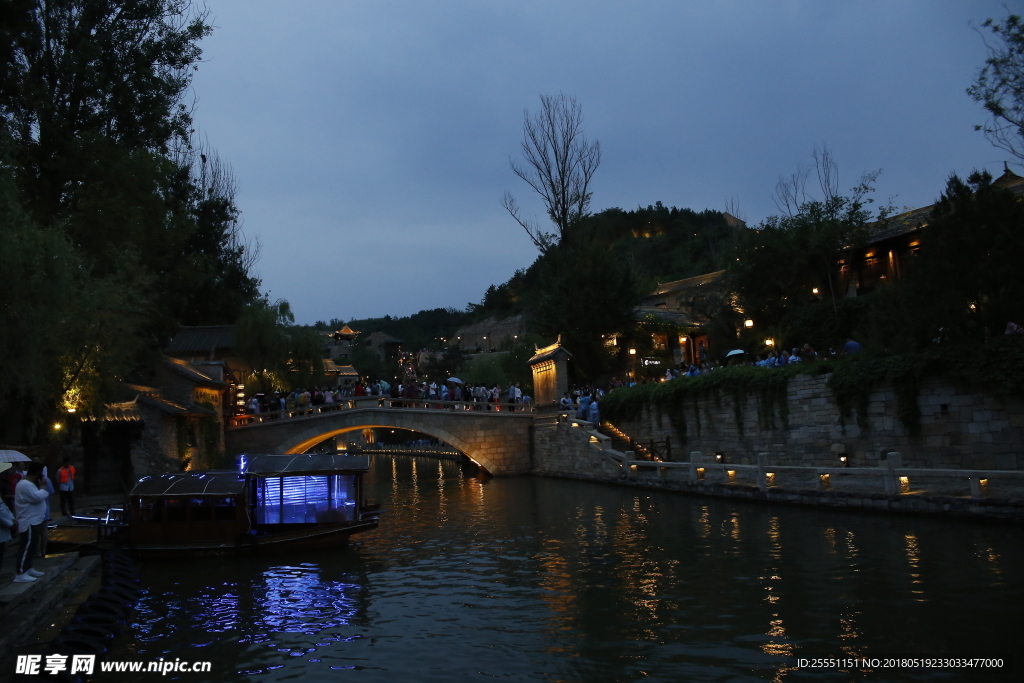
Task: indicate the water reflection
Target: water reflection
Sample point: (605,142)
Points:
(548,580)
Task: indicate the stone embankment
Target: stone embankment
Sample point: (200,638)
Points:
(961,428)
(967,460)
(26,609)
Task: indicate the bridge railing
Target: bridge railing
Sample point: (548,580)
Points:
(378,402)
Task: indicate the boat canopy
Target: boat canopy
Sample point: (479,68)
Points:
(265,464)
(191,484)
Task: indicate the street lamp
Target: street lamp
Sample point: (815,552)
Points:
(748,323)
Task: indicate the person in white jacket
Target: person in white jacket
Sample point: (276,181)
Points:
(30,497)
(7,527)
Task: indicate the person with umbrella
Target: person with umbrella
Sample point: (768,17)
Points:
(12,476)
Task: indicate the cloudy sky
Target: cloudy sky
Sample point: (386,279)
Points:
(371,139)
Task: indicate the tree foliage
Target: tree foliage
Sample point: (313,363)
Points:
(1000,85)
(962,288)
(969,281)
(282,355)
(118,225)
(584,293)
(809,236)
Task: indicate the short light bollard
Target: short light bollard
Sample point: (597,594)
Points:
(696,476)
(892,461)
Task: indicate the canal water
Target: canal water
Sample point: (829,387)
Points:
(556,580)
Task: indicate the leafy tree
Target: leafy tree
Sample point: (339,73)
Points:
(1000,85)
(424,329)
(969,280)
(372,365)
(282,355)
(809,237)
(584,293)
(102,174)
(66,337)
(445,364)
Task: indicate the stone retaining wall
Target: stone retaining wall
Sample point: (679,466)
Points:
(961,428)
(561,450)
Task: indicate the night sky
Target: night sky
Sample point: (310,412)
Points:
(371,140)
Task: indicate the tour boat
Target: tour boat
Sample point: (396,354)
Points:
(268,503)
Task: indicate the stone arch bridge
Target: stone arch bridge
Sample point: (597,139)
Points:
(499,442)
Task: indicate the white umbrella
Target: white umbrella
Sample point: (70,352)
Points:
(4,466)
(13,456)
(455,379)
(735,352)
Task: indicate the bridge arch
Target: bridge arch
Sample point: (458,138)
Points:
(451,439)
(498,442)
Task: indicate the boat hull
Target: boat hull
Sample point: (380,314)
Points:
(320,538)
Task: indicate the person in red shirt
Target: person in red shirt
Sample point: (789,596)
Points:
(66,485)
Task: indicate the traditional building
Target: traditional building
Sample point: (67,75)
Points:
(174,421)
(550,374)
(389,348)
(210,349)
(893,245)
(686,304)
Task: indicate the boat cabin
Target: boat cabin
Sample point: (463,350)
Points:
(266,498)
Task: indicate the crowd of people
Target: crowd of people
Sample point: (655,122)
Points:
(470,396)
(773,358)
(25,490)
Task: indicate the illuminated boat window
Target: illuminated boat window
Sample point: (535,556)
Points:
(306,499)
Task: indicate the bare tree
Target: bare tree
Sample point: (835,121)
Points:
(732,207)
(559,165)
(791,192)
(828,173)
(215,180)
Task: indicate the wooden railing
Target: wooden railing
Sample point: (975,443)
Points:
(362,402)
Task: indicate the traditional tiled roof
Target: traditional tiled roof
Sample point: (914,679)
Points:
(378,338)
(204,339)
(906,223)
(676,286)
(126,411)
(151,397)
(551,352)
(188,372)
(669,315)
(330,367)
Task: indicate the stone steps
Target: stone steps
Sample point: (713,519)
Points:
(27,607)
